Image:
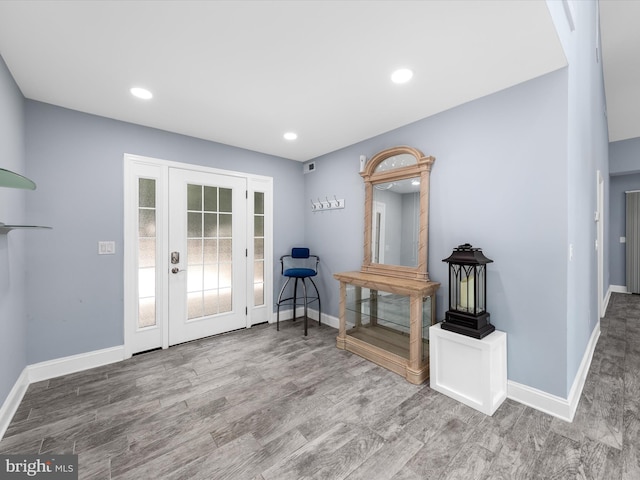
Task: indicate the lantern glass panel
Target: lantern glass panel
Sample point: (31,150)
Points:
(467,288)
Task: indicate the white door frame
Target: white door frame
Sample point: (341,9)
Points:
(136,166)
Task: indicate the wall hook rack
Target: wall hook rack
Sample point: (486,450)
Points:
(327,204)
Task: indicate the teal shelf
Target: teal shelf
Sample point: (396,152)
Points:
(7,228)
(13,180)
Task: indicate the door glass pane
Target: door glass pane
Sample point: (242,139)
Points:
(210,199)
(225,200)
(225,225)
(209,258)
(194,225)
(225,250)
(194,251)
(146,312)
(211,302)
(258,203)
(211,224)
(147,222)
(211,251)
(194,197)
(146,252)
(146,193)
(258,249)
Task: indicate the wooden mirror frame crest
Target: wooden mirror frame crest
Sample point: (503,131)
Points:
(422,169)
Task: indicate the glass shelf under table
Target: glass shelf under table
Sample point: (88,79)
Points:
(382,319)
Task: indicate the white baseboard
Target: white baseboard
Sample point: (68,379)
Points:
(12,402)
(605,302)
(563,408)
(74,363)
(617,289)
(328,320)
(607,297)
(51,369)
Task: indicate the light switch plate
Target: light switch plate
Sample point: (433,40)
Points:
(106,248)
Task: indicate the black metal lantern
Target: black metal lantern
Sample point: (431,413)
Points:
(467,293)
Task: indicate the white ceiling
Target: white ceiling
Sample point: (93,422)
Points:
(620,30)
(245,72)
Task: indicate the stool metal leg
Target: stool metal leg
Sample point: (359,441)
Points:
(295,298)
(280,300)
(304,291)
(318,297)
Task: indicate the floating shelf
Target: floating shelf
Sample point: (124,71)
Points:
(14,180)
(7,228)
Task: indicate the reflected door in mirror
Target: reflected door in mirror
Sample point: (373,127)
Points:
(396,222)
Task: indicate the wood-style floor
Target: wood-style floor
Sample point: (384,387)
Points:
(266,405)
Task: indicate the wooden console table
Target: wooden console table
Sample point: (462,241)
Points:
(389,320)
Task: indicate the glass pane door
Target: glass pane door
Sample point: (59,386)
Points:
(146,252)
(207,236)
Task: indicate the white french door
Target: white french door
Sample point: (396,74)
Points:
(207,241)
(198,246)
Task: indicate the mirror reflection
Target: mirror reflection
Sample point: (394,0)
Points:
(396,220)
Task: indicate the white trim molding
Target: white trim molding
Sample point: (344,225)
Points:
(286,314)
(12,402)
(617,289)
(51,369)
(563,408)
(607,297)
(74,363)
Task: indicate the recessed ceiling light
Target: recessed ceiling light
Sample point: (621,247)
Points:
(141,93)
(290,136)
(402,75)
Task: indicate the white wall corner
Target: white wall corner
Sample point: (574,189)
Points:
(564,409)
(607,297)
(12,402)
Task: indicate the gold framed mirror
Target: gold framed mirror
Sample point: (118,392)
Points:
(397,213)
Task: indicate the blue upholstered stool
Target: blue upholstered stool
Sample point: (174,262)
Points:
(300,267)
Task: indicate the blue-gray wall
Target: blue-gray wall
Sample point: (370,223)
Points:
(529,155)
(587,152)
(499,183)
(515,174)
(13,319)
(75,296)
(624,158)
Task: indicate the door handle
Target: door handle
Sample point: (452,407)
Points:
(176,270)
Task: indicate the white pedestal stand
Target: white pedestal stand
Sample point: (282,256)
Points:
(471,371)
